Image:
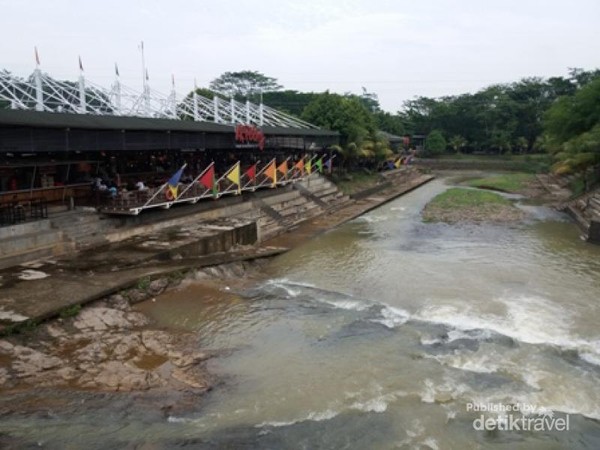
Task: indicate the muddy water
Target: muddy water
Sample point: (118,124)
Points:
(385,333)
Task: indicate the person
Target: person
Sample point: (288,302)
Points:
(140,186)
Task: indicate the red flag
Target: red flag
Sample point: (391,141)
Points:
(208,179)
(251,172)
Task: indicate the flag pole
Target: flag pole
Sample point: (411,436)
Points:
(196,179)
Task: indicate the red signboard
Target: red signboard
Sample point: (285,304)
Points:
(250,134)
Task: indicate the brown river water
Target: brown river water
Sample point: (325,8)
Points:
(385,332)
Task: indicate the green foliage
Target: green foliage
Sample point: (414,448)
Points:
(244,84)
(143,283)
(435,143)
(572,126)
(458,198)
(70,311)
(347,115)
(511,182)
(457,142)
(292,102)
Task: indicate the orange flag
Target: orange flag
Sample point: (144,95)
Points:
(283,168)
(271,172)
(300,166)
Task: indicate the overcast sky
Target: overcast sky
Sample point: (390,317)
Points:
(397,49)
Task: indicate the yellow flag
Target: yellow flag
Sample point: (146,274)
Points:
(234,176)
(398,163)
(308,166)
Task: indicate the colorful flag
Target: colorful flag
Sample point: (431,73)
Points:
(300,166)
(398,163)
(251,172)
(390,165)
(319,165)
(208,179)
(173,182)
(308,166)
(329,165)
(283,168)
(271,172)
(234,176)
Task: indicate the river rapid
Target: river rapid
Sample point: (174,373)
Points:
(385,332)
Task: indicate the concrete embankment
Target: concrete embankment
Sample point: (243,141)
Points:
(245,228)
(586,212)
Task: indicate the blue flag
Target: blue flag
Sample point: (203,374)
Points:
(174,181)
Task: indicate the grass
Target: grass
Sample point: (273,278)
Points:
(456,198)
(70,311)
(468,205)
(510,182)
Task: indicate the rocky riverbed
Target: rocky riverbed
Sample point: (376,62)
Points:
(108,346)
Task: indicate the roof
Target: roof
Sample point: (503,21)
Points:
(38,119)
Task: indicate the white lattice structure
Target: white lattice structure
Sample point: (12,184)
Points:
(40,92)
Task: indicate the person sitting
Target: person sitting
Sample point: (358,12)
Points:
(140,186)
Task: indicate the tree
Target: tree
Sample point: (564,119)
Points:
(243,85)
(457,142)
(344,114)
(573,128)
(435,143)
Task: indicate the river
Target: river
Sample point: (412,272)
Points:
(385,332)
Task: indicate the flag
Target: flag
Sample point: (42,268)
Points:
(234,175)
(283,168)
(251,172)
(319,165)
(390,165)
(308,166)
(208,179)
(271,172)
(398,163)
(300,166)
(37,56)
(329,165)
(80,64)
(116,70)
(173,182)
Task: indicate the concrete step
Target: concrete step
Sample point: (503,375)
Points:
(24,228)
(31,241)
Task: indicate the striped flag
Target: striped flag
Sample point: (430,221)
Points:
(173,182)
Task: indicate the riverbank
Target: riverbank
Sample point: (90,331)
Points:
(109,346)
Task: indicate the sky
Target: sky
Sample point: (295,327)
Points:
(398,49)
